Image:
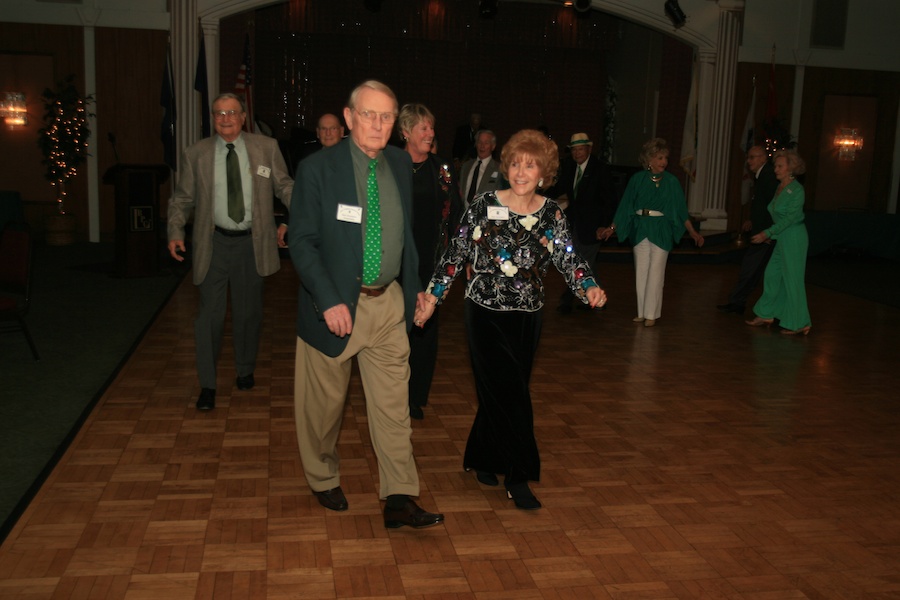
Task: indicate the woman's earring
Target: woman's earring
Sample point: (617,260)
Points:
(541,182)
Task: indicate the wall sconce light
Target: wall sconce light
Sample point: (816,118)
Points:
(12,109)
(674,12)
(847,143)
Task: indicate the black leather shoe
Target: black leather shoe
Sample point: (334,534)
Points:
(522,497)
(415,412)
(410,515)
(333,499)
(207,399)
(246,382)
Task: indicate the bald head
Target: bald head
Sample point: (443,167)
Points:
(329,130)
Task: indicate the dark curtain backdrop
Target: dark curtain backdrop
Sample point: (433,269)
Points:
(532,65)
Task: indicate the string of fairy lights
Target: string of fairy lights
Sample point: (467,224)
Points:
(67,133)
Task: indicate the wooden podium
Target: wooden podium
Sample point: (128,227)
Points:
(137,217)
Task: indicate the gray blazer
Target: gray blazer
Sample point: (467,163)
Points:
(195,192)
(490,181)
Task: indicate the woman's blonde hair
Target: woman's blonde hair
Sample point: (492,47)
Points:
(651,148)
(796,164)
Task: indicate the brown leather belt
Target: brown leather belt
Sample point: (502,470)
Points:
(233,232)
(373,292)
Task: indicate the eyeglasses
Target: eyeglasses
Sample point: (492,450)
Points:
(221,115)
(370,116)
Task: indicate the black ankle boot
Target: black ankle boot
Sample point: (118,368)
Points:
(522,497)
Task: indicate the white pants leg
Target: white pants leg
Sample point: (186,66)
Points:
(649,278)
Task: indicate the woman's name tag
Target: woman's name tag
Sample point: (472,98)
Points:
(497,213)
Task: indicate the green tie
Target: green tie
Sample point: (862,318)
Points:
(372,251)
(235,188)
(577,181)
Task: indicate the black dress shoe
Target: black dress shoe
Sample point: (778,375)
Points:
(246,382)
(207,399)
(410,514)
(522,497)
(415,412)
(333,499)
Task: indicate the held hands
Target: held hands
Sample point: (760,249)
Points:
(425,304)
(604,233)
(698,239)
(760,238)
(282,233)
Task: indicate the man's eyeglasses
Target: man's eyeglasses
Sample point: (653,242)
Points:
(370,116)
(221,115)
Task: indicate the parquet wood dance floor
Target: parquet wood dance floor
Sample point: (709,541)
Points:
(700,458)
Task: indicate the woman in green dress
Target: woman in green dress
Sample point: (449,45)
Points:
(784,296)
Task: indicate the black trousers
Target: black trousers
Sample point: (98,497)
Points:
(423,348)
(502,346)
(753,265)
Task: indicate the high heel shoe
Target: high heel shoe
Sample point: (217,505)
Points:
(759,322)
(521,495)
(801,331)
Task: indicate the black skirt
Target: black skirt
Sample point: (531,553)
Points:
(502,346)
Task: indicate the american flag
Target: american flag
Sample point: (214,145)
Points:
(244,86)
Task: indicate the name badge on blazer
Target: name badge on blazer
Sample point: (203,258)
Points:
(349,213)
(263,171)
(497,213)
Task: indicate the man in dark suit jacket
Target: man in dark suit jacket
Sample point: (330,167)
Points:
(488,178)
(357,303)
(235,250)
(756,256)
(585,188)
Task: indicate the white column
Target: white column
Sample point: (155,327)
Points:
(211,38)
(720,145)
(185,39)
(706,61)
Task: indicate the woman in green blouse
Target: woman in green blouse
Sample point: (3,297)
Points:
(653,215)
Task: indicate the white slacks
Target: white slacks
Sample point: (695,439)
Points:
(649,278)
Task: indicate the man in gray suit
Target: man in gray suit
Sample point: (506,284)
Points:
(482,173)
(352,244)
(228,181)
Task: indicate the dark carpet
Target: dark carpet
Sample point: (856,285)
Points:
(85,324)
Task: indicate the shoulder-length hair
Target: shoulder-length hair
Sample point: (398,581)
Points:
(532,143)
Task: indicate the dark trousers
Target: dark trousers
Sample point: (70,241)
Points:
(423,348)
(233,265)
(502,346)
(753,265)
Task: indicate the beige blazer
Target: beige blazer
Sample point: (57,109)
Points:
(194,193)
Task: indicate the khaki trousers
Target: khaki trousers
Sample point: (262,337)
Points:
(379,343)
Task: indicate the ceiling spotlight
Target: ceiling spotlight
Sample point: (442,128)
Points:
(487,9)
(582,5)
(674,12)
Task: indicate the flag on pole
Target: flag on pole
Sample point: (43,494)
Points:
(167,101)
(749,134)
(772,100)
(244,86)
(201,84)
(688,160)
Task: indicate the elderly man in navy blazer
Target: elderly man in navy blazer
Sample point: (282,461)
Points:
(228,181)
(351,242)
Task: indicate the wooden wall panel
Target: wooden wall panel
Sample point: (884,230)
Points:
(129,76)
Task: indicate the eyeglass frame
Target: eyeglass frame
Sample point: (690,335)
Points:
(370,116)
(221,114)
